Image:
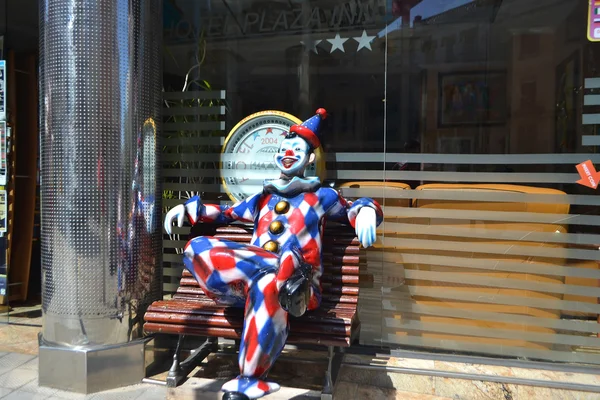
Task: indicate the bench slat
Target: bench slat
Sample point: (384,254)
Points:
(329,304)
(342,260)
(332,297)
(238,321)
(228,333)
(345,279)
(327,290)
(326,315)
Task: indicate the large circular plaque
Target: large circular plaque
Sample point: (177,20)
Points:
(247,155)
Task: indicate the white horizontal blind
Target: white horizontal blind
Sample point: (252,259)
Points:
(498,263)
(193,131)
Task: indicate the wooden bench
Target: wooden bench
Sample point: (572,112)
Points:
(335,324)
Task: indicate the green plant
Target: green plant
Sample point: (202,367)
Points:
(189,142)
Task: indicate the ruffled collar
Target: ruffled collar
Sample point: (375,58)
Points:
(292,187)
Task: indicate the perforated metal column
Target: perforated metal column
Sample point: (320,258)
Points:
(100,99)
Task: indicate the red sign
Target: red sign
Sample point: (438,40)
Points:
(589,176)
(593,31)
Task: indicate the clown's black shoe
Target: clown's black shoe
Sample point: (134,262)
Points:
(294,295)
(235,396)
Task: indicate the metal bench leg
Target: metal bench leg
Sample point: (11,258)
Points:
(181,370)
(174,375)
(199,354)
(333,367)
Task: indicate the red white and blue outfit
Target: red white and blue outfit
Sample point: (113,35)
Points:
(249,276)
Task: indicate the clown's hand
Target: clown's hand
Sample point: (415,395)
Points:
(177,212)
(366,226)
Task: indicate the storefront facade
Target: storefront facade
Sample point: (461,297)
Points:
(466,120)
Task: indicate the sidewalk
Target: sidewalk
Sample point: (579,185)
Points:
(19,364)
(413,381)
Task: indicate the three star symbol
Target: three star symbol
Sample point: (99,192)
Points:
(364,41)
(337,43)
(311,45)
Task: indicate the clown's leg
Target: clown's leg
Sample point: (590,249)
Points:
(298,284)
(218,265)
(224,269)
(263,338)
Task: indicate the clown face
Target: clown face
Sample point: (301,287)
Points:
(293,156)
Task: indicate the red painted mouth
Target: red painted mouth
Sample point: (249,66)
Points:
(287,162)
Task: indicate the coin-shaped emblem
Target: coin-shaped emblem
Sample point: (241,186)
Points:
(248,153)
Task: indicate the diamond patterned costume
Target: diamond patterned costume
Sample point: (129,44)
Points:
(279,273)
(288,220)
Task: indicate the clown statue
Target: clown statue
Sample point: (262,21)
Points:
(279,273)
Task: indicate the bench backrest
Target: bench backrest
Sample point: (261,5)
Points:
(342,257)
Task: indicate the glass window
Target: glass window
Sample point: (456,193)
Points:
(473,123)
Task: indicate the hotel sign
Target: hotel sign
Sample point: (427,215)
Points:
(265,21)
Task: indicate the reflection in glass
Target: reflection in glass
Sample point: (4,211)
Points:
(465,119)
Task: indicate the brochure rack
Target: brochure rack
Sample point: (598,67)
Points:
(18,173)
(4,129)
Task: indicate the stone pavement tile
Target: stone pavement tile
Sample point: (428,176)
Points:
(21,395)
(293,393)
(140,391)
(418,396)
(542,393)
(14,360)
(197,388)
(33,364)
(19,339)
(389,380)
(154,392)
(63,395)
(125,393)
(345,390)
(16,378)
(34,387)
(210,389)
(474,390)
(365,392)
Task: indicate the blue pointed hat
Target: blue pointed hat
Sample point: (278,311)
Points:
(310,128)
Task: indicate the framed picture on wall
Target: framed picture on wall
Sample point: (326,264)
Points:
(472,98)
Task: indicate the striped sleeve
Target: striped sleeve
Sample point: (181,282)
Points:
(244,211)
(341,210)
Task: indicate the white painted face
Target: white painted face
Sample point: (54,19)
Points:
(292,157)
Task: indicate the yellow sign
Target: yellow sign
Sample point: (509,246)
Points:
(593,29)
